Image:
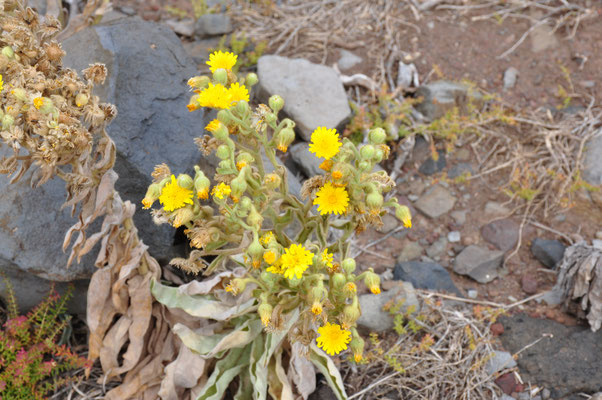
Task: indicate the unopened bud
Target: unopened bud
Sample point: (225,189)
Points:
(367,152)
(152,194)
(245,203)
(185,181)
(404,215)
(251,79)
(351,313)
(364,166)
(7,121)
(81,99)
(198,82)
(372,281)
(242,107)
(238,185)
(377,136)
(19,93)
(255,251)
(357,346)
(265,313)
(201,185)
(221,76)
(272,181)
(349,265)
(223,152)
(236,286)
(223,116)
(285,138)
(254,219)
(182,216)
(221,132)
(338,281)
(379,155)
(374,200)
(276,103)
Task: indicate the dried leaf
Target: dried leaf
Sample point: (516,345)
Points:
(330,371)
(302,371)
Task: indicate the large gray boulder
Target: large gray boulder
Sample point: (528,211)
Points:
(313,94)
(592,168)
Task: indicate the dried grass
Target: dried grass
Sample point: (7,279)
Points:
(452,368)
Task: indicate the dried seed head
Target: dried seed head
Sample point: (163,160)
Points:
(54,51)
(96,73)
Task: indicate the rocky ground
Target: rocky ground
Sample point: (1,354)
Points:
(468,238)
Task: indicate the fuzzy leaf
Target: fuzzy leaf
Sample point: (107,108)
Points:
(326,366)
(302,371)
(224,372)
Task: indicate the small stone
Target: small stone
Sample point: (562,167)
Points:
(183,27)
(459,216)
(479,263)
(497,329)
(459,170)
(437,248)
(529,284)
(374,317)
(472,294)
(506,382)
(454,236)
(413,197)
(496,209)
(410,251)
(389,223)
(441,96)
(545,394)
(524,396)
(416,187)
(597,244)
(436,202)
(499,361)
(592,162)
(510,76)
(212,25)
(502,233)
(430,166)
(348,60)
(425,275)
(548,252)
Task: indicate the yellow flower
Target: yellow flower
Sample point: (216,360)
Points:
(212,126)
(358,357)
(327,258)
(38,102)
(316,308)
(238,92)
(266,238)
(219,59)
(147,203)
(276,268)
(325,142)
(295,261)
(333,339)
(220,191)
(326,165)
(215,96)
(404,215)
(1,83)
(269,257)
(173,196)
(375,289)
(331,199)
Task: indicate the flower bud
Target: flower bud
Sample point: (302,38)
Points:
(270,118)
(367,152)
(349,265)
(81,99)
(193,103)
(185,181)
(364,166)
(351,313)
(251,79)
(201,185)
(265,313)
(276,103)
(372,281)
(243,159)
(221,76)
(349,290)
(152,194)
(403,214)
(182,216)
(285,138)
(272,181)
(242,107)
(19,93)
(198,82)
(245,203)
(374,200)
(357,346)
(7,121)
(377,136)
(8,52)
(223,152)
(221,132)
(378,155)
(254,218)
(255,251)
(238,185)
(236,286)
(338,281)
(223,116)
(269,278)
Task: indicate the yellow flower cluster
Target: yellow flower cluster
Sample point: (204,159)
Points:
(220,97)
(173,196)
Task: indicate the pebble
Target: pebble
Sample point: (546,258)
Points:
(502,233)
(597,244)
(479,263)
(436,201)
(510,77)
(460,169)
(348,60)
(437,248)
(497,209)
(459,216)
(507,383)
(212,25)
(373,317)
(500,360)
(410,251)
(497,329)
(413,197)
(454,236)
(545,394)
(529,284)
(548,252)
(473,294)
(430,166)
(425,275)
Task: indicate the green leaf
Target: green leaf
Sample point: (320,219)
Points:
(326,366)
(204,306)
(211,346)
(224,372)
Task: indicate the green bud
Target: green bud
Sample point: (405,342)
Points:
(242,107)
(372,281)
(272,181)
(268,278)
(221,133)
(377,136)
(364,166)
(152,194)
(185,181)
(351,312)
(47,106)
(223,152)
(404,215)
(7,121)
(367,152)
(338,281)
(221,76)
(223,116)
(349,265)
(374,200)
(238,185)
(357,346)
(20,94)
(255,251)
(317,293)
(270,118)
(251,79)
(182,216)
(198,82)
(265,313)
(201,185)
(379,155)
(276,103)
(245,203)
(285,138)
(254,219)
(8,52)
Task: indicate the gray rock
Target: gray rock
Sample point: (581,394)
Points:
(502,233)
(460,169)
(212,25)
(441,96)
(510,77)
(307,162)
(545,394)
(437,249)
(479,263)
(552,297)
(348,60)
(390,222)
(459,216)
(597,244)
(147,83)
(472,294)
(298,81)
(373,317)
(430,166)
(499,361)
(548,252)
(592,164)
(496,209)
(183,27)
(454,236)
(568,359)
(199,50)
(436,201)
(411,251)
(425,275)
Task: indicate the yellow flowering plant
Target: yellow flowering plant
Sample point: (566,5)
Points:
(281,279)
